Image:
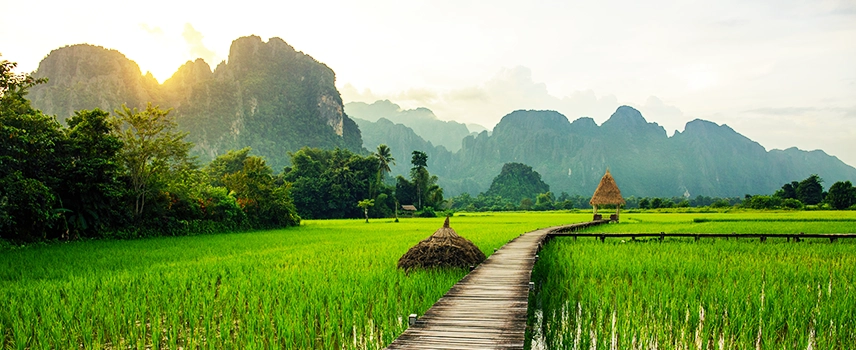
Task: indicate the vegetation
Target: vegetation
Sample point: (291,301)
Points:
(422,189)
(517,181)
(128,175)
(324,285)
(709,294)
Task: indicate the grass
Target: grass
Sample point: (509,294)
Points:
(334,284)
(326,284)
(711,294)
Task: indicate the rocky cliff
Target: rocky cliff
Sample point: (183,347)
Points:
(266,95)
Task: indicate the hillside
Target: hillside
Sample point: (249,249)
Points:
(422,120)
(705,159)
(266,95)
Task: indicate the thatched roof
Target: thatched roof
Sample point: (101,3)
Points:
(607,192)
(445,248)
(408,207)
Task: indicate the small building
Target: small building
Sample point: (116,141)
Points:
(408,210)
(607,193)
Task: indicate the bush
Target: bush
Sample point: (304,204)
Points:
(720,203)
(427,212)
(792,203)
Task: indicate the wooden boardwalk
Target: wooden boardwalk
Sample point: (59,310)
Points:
(488,308)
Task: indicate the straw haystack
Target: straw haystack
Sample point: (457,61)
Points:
(607,192)
(445,248)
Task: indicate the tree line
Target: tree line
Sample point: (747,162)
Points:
(806,193)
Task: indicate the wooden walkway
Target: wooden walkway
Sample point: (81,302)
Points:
(488,308)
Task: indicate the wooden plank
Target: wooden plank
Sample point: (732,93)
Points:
(488,308)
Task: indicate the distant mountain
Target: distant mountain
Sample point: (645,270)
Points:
(422,120)
(402,141)
(705,159)
(267,96)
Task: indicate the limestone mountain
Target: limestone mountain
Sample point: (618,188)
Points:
(422,120)
(402,140)
(266,95)
(705,159)
(85,77)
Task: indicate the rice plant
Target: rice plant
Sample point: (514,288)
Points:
(710,294)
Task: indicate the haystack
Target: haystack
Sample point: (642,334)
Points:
(607,192)
(445,248)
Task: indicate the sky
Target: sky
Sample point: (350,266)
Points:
(782,73)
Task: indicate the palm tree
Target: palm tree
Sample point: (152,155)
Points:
(384,156)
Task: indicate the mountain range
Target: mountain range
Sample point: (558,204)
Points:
(705,159)
(276,100)
(422,120)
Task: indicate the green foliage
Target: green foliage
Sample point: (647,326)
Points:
(262,196)
(329,183)
(93,190)
(126,176)
(544,201)
(365,204)
(841,195)
(810,190)
(152,150)
(517,181)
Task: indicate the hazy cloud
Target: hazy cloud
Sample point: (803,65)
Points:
(154,31)
(196,48)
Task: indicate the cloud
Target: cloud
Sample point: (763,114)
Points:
(154,31)
(508,90)
(196,48)
(670,117)
(844,112)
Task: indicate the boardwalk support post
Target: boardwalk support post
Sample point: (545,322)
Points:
(662,236)
(531,285)
(411,320)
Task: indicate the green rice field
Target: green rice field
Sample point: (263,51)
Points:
(329,284)
(333,284)
(710,294)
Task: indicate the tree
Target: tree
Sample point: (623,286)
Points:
(644,203)
(29,165)
(152,149)
(544,201)
(93,191)
(841,195)
(365,204)
(419,174)
(788,190)
(384,157)
(419,159)
(810,190)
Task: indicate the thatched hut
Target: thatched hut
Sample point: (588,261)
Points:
(445,248)
(607,192)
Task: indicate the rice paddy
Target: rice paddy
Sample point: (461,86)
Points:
(710,294)
(324,285)
(333,284)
